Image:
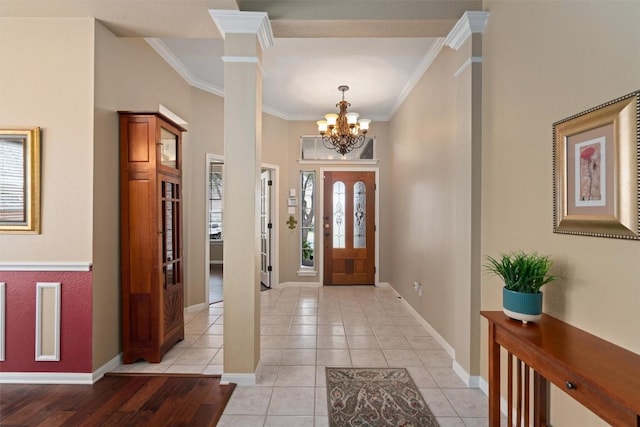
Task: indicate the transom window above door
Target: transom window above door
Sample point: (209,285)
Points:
(312,148)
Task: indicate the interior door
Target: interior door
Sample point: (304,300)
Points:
(349,228)
(266,184)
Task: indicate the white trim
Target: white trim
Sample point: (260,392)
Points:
(171,115)
(166,54)
(2,320)
(244,60)
(197,307)
(307,273)
(249,59)
(504,405)
(45,378)
(445,345)
(275,231)
(240,379)
(469,61)
(470,380)
(422,68)
(241,22)
(55,357)
(320,198)
(107,367)
(470,22)
(297,285)
(45,266)
(339,161)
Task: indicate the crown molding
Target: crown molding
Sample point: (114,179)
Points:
(469,61)
(179,67)
(422,68)
(238,22)
(470,22)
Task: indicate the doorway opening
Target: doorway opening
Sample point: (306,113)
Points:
(215,241)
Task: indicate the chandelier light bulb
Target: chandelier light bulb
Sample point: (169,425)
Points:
(331,119)
(364,125)
(352,118)
(322,126)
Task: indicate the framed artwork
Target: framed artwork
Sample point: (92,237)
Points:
(20,180)
(596,171)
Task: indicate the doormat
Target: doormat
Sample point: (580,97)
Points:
(375,397)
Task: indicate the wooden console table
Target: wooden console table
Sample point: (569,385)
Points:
(601,376)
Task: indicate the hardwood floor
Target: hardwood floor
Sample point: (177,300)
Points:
(117,400)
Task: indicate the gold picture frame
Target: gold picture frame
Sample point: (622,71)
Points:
(20,180)
(596,172)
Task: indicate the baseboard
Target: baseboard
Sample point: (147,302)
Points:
(469,380)
(216,262)
(297,285)
(439,338)
(239,379)
(107,367)
(384,285)
(196,308)
(504,405)
(472,381)
(45,378)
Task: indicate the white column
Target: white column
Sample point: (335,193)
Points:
(246,34)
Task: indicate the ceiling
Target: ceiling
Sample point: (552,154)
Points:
(379,48)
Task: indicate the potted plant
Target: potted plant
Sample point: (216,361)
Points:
(523,275)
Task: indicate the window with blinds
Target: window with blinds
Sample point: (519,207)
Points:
(215,200)
(12,180)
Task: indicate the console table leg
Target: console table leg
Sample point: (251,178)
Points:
(494,378)
(540,396)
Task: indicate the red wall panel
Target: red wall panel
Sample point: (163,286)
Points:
(75,321)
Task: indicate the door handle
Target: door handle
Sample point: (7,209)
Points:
(327,226)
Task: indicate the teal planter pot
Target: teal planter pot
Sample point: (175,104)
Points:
(522,306)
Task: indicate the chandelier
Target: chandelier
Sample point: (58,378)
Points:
(343,132)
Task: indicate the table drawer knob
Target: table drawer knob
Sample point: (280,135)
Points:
(571,386)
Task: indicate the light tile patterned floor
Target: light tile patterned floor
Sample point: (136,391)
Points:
(306,329)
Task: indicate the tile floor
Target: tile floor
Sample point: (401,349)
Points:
(306,329)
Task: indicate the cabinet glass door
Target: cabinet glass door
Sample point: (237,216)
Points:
(168,148)
(171,261)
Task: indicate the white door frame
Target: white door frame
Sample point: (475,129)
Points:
(376,171)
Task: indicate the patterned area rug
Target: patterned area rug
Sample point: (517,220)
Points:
(375,397)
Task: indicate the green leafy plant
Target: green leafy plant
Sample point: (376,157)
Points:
(521,271)
(307,250)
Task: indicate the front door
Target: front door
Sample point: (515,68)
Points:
(349,228)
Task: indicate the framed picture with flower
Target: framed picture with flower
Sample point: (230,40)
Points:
(596,172)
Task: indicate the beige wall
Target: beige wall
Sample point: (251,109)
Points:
(46,80)
(431,205)
(129,75)
(545,61)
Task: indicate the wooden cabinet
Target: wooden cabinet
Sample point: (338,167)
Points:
(151,235)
